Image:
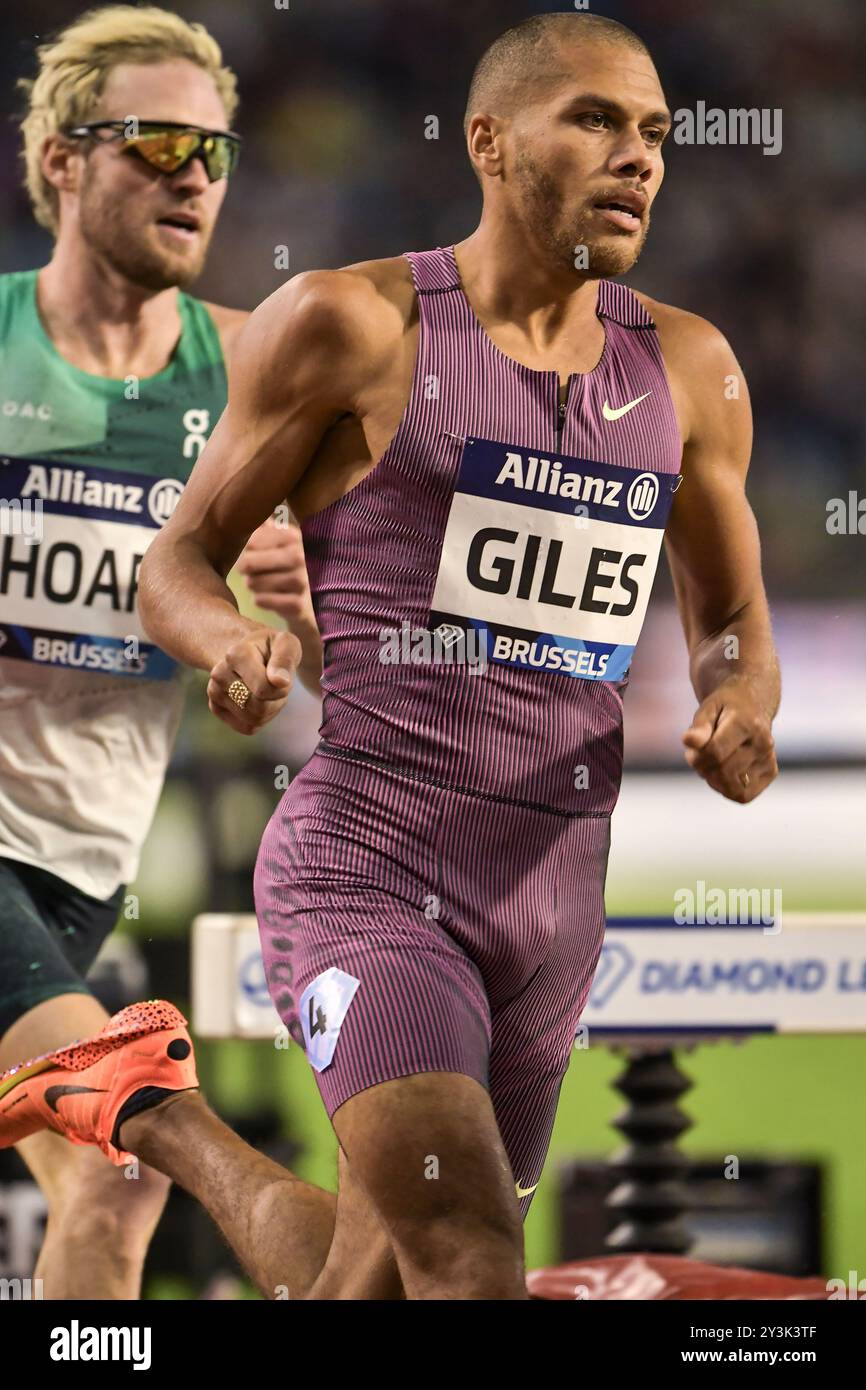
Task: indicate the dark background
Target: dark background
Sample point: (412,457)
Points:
(334,96)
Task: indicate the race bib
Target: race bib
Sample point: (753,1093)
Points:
(72,538)
(551,559)
(323,1008)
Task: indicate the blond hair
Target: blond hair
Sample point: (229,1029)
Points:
(73,69)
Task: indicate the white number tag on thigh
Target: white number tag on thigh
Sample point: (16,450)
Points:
(323,1007)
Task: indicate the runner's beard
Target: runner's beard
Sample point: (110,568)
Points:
(608,252)
(112,227)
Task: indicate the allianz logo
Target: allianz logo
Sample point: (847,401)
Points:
(74,487)
(546,475)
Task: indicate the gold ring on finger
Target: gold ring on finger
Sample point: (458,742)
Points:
(239,692)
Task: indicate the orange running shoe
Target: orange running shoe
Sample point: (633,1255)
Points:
(81,1089)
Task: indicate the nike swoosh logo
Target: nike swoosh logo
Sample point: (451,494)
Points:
(623,409)
(56,1093)
(524,1191)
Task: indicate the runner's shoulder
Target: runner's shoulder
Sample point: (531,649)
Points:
(16,287)
(382,289)
(705,376)
(689,343)
(357,314)
(228,323)
(12,281)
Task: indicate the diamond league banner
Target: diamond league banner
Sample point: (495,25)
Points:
(804,972)
(801,973)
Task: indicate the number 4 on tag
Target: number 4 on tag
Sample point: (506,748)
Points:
(320,1023)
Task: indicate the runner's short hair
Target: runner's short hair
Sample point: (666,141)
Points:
(523,61)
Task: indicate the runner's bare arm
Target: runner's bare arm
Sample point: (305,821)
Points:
(715,559)
(296,366)
(274,568)
(288,572)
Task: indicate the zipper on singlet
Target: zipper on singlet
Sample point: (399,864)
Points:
(562,411)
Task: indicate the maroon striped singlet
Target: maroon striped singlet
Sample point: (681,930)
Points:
(430,889)
(373,556)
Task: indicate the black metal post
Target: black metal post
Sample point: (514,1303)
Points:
(651,1200)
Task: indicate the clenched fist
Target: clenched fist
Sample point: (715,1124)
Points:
(265,663)
(273,565)
(730,742)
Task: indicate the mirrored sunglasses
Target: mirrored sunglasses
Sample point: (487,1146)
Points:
(168,146)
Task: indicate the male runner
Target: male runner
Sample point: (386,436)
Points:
(483,439)
(111,377)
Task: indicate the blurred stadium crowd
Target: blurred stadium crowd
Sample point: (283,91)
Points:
(337,167)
